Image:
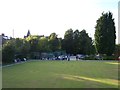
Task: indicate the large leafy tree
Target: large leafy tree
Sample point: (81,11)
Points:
(33,41)
(18,43)
(67,43)
(85,43)
(43,45)
(25,49)
(54,42)
(105,34)
(76,40)
(8,52)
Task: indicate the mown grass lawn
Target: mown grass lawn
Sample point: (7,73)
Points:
(62,74)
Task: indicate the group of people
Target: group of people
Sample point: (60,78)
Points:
(19,60)
(56,58)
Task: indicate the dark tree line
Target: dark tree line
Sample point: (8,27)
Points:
(77,42)
(74,42)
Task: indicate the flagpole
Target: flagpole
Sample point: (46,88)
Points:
(13,33)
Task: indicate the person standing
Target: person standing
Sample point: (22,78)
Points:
(68,58)
(76,58)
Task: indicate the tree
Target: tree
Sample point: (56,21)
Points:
(67,43)
(77,42)
(105,34)
(43,45)
(8,52)
(25,49)
(18,43)
(76,39)
(85,43)
(117,50)
(33,41)
(54,42)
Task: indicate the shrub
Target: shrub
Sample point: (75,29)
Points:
(109,58)
(8,52)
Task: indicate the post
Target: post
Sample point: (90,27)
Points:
(119,22)
(13,33)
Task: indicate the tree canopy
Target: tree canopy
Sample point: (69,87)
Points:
(74,42)
(105,34)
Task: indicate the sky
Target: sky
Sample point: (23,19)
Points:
(43,17)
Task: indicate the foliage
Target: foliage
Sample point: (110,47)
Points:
(43,45)
(105,34)
(8,52)
(25,49)
(74,42)
(91,57)
(86,44)
(33,42)
(54,42)
(109,58)
(117,51)
(67,42)
(22,48)
(77,42)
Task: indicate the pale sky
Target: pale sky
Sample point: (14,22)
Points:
(43,17)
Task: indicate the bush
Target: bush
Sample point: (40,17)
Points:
(109,58)
(8,52)
(92,57)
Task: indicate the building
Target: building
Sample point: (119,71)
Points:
(28,34)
